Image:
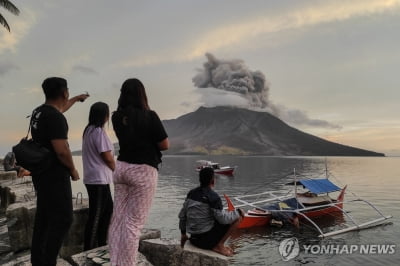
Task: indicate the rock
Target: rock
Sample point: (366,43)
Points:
(149,234)
(26,261)
(20,218)
(196,256)
(87,258)
(9,175)
(162,252)
(12,191)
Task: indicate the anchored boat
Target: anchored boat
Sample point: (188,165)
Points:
(223,170)
(273,207)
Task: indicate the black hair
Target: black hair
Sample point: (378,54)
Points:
(206,175)
(133,94)
(54,87)
(98,113)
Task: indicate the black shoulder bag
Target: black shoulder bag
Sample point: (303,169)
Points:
(32,155)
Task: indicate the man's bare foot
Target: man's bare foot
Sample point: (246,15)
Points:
(226,251)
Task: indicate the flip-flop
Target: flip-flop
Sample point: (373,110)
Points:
(106,256)
(91,255)
(99,260)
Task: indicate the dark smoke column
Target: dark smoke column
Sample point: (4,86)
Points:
(235,76)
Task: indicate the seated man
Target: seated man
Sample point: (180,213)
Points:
(203,217)
(9,164)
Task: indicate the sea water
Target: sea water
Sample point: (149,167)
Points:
(376,179)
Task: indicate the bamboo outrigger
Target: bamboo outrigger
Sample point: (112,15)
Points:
(316,202)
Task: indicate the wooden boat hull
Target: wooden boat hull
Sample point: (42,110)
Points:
(222,171)
(258,218)
(227,171)
(250,220)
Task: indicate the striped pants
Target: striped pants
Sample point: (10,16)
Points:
(134,188)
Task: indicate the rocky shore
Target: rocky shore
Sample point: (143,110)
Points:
(17,211)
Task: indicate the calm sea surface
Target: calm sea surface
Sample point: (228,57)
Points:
(374,179)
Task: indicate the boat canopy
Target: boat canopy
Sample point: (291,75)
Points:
(319,186)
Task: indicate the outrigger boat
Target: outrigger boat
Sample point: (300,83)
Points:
(223,170)
(273,207)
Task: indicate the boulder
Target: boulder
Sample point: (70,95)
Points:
(20,217)
(162,252)
(26,261)
(9,175)
(20,220)
(86,258)
(12,191)
(196,256)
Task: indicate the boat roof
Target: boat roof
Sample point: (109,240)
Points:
(319,186)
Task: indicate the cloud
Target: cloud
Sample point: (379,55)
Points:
(300,118)
(84,70)
(33,90)
(224,82)
(370,137)
(210,97)
(7,67)
(223,36)
(235,77)
(20,27)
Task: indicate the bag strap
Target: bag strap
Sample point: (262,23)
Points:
(30,123)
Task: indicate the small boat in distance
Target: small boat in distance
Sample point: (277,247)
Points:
(222,170)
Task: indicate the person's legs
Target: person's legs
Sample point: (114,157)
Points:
(39,230)
(59,217)
(215,238)
(52,220)
(105,217)
(142,181)
(116,232)
(94,214)
(220,247)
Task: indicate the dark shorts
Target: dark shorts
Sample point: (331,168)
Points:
(210,239)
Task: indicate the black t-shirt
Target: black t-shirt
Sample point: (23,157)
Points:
(48,124)
(139,132)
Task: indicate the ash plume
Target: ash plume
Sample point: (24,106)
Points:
(233,76)
(232,83)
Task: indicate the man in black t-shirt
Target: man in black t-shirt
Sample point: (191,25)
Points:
(53,186)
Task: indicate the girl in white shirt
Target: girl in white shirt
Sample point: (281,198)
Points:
(98,167)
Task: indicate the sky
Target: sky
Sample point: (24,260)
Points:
(329,67)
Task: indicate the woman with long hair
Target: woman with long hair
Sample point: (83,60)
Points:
(98,167)
(141,137)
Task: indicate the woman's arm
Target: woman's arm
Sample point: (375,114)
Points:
(108,159)
(163,145)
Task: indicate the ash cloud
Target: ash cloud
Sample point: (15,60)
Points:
(232,83)
(233,76)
